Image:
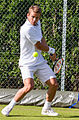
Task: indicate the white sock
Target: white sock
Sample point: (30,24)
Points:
(12,103)
(47,104)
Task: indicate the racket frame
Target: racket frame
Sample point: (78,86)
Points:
(57,62)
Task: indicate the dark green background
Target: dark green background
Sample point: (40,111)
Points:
(13,15)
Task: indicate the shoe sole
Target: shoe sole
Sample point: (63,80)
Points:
(4,114)
(49,115)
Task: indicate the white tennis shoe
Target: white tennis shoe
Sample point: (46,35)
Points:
(5,111)
(49,112)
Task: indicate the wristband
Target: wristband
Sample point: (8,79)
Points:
(51,50)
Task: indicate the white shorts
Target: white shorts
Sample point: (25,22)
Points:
(42,71)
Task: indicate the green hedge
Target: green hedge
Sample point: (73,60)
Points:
(72,46)
(13,15)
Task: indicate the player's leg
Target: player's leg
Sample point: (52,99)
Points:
(47,76)
(28,86)
(27,76)
(49,97)
(52,83)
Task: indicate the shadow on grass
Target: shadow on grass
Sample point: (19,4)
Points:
(60,116)
(27,116)
(73,117)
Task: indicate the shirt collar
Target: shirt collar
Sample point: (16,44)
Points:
(27,21)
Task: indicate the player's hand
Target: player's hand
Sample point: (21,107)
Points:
(53,57)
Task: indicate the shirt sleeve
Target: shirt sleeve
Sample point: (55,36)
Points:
(34,34)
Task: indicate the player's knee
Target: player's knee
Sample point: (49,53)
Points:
(55,85)
(28,88)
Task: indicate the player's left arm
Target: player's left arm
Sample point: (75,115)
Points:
(42,45)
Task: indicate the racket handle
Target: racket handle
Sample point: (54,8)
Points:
(51,54)
(53,61)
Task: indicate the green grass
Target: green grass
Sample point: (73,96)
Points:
(34,113)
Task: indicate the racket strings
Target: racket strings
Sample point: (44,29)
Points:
(58,66)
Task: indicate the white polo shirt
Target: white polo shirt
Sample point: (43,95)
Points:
(29,36)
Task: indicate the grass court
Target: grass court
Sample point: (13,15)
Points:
(21,112)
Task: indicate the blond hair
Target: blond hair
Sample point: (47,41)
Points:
(35,8)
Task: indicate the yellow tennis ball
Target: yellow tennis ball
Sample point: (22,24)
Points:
(35,54)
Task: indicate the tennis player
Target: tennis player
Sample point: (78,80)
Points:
(31,40)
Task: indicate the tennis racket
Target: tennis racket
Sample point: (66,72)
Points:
(58,65)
